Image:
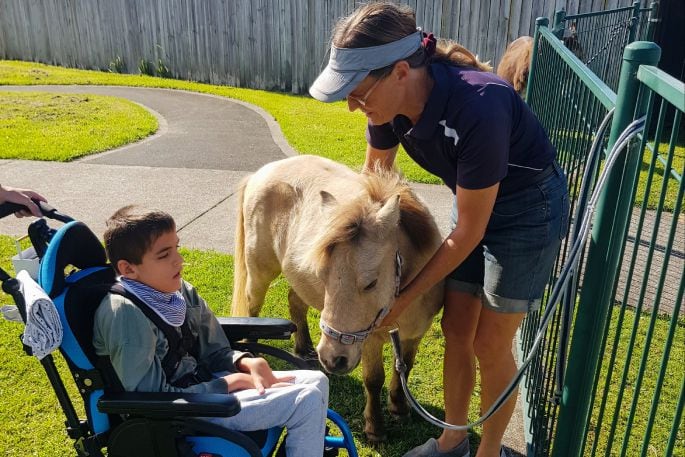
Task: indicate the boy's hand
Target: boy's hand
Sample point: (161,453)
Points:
(238,381)
(262,375)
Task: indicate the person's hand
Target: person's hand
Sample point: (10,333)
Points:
(238,381)
(262,375)
(398,307)
(23,197)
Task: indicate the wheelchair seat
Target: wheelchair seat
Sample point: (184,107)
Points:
(130,424)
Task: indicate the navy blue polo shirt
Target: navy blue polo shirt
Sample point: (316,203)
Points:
(475,131)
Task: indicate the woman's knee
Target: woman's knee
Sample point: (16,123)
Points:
(455,332)
(460,318)
(496,331)
(491,348)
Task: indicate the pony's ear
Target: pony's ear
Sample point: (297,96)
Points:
(389,215)
(327,200)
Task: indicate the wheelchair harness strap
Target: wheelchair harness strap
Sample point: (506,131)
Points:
(179,345)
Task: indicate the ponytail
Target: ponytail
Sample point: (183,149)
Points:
(452,52)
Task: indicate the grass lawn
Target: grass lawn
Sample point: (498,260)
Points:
(62,127)
(612,384)
(656,186)
(311,127)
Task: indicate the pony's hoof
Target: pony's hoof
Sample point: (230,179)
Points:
(308,354)
(399,410)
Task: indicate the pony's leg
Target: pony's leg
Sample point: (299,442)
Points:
(374,377)
(303,340)
(262,268)
(397,403)
(256,288)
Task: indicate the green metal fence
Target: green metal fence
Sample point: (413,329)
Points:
(599,38)
(571,105)
(621,392)
(637,396)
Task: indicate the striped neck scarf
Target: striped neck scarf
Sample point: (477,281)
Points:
(170,307)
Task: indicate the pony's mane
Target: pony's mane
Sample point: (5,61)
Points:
(355,218)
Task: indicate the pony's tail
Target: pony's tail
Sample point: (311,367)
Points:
(240,305)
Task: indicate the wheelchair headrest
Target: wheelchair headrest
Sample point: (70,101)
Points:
(73,244)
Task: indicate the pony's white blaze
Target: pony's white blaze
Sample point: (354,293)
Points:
(336,236)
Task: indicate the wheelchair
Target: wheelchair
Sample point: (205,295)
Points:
(131,424)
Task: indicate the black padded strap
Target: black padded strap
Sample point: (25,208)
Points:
(111,380)
(179,345)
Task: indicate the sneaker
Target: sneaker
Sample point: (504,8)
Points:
(430,449)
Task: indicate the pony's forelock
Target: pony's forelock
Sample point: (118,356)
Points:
(354,219)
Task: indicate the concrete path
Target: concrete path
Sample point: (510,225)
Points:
(190,168)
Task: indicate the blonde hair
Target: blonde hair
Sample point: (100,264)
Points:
(379,23)
(451,51)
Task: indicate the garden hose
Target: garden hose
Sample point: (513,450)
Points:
(581,230)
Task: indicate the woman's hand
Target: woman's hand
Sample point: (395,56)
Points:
(23,197)
(401,303)
(262,375)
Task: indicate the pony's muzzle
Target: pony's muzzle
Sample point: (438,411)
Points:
(338,360)
(337,366)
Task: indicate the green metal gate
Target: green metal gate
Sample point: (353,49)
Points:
(598,38)
(622,393)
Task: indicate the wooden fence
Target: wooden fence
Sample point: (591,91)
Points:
(262,44)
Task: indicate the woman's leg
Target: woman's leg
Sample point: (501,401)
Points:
(459,324)
(520,246)
(492,347)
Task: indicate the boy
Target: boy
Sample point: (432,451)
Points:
(143,248)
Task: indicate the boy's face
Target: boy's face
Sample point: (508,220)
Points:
(160,267)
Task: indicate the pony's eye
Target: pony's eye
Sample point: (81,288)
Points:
(371,285)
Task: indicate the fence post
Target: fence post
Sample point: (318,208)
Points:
(559,23)
(634,22)
(539,22)
(652,20)
(611,219)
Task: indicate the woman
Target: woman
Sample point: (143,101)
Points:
(468,127)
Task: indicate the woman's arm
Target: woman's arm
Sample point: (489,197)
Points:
(474,209)
(382,158)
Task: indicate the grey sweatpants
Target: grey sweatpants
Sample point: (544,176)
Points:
(300,408)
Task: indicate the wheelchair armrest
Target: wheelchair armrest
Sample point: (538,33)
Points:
(255,328)
(169,404)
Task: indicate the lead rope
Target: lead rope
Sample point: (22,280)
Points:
(557,292)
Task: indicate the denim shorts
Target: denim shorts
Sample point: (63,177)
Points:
(513,262)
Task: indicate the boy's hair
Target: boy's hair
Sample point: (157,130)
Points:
(132,230)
